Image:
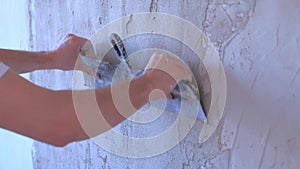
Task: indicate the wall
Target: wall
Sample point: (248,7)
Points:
(14,33)
(258,44)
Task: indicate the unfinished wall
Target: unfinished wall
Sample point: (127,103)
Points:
(258,44)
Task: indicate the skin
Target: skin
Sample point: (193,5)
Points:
(50,116)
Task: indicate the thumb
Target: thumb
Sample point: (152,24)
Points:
(88,50)
(85,68)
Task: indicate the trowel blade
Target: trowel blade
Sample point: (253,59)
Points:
(181,96)
(201,115)
(176,94)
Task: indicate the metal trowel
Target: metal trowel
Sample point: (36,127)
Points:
(106,70)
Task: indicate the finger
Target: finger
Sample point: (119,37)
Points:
(80,40)
(163,61)
(170,96)
(178,70)
(84,68)
(186,74)
(88,50)
(154,60)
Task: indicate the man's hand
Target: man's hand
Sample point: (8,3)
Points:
(64,57)
(67,54)
(165,71)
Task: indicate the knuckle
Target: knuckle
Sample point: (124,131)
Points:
(70,35)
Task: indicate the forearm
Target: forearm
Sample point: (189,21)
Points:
(80,119)
(100,110)
(52,117)
(22,61)
(61,117)
(30,110)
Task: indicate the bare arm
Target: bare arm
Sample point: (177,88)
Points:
(22,62)
(63,57)
(49,116)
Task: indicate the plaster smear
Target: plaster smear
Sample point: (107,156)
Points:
(189,96)
(258,45)
(110,73)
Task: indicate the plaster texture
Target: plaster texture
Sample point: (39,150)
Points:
(258,42)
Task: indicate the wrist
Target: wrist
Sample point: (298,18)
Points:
(49,61)
(140,89)
(160,80)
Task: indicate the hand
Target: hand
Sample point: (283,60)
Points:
(166,71)
(67,54)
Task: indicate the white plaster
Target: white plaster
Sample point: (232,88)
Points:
(258,43)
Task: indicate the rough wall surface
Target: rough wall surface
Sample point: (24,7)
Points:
(258,43)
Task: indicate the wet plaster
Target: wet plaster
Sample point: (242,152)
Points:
(258,44)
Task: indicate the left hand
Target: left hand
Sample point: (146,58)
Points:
(66,55)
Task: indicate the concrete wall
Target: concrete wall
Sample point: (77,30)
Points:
(258,43)
(14,35)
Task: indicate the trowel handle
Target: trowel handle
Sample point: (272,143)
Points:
(119,48)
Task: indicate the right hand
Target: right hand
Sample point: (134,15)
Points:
(165,71)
